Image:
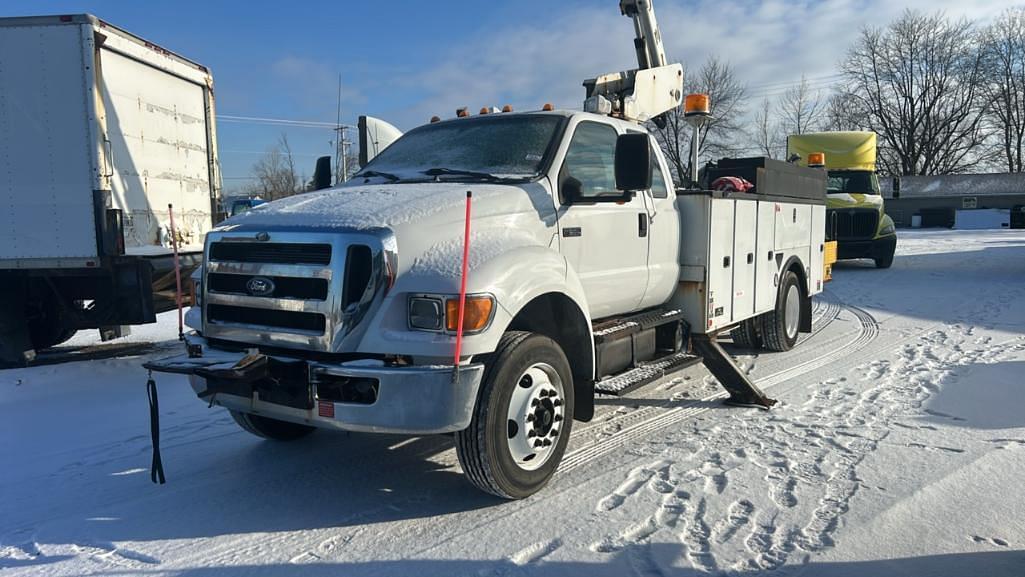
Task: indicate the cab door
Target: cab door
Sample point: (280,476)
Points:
(605,243)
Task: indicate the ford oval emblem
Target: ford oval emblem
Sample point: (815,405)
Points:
(260,286)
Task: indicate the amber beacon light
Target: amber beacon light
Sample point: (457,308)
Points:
(816,159)
(697,105)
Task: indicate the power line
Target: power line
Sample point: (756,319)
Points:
(279,121)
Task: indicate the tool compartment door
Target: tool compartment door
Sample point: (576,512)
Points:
(744,243)
(765,263)
(818,247)
(720,262)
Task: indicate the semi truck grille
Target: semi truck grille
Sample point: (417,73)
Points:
(846,224)
(284,287)
(272,253)
(313,322)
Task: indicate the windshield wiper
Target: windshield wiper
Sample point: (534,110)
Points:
(388,175)
(436,172)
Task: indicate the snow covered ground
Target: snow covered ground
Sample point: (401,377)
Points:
(898,448)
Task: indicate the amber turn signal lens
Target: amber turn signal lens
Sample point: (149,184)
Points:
(476,317)
(817,159)
(548,107)
(697,104)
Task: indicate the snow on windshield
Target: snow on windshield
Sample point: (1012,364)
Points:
(502,146)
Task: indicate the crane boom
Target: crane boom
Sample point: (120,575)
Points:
(646,92)
(648,41)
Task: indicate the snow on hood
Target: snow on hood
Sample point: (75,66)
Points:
(388,206)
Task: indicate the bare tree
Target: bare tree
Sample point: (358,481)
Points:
(917,84)
(840,114)
(1004,51)
(718,136)
(800,108)
(275,173)
(768,140)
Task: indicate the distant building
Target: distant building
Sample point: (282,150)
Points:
(936,199)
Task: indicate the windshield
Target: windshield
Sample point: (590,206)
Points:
(511,146)
(857,181)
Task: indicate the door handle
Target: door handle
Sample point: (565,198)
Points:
(642,224)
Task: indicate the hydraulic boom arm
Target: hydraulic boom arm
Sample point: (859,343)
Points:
(648,42)
(649,90)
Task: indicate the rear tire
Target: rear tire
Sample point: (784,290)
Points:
(780,326)
(272,429)
(525,401)
(747,334)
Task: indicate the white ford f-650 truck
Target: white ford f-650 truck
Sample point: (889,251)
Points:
(587,273)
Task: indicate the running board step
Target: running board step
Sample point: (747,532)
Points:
(625,326)
(623,383)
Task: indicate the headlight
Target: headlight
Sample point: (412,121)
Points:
(441,313)
(888,228)
(426,313)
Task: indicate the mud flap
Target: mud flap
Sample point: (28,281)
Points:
(742,391)
(15,342)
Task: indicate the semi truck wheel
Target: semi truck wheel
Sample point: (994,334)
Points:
(746,334)
(780,326)
(522,419)
(271,428)
(885,261)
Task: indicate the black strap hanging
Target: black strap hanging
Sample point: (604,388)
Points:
(156,473)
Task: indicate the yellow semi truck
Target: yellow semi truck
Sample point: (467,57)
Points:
(854,207)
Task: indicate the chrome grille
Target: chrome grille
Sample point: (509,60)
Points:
(293,290)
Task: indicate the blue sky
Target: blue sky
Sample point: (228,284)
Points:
(405,60)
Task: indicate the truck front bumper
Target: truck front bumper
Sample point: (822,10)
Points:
(364,396)
(877,248)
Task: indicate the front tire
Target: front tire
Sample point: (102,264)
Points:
(272,429)
(780,326)
(885,261)
(521,422)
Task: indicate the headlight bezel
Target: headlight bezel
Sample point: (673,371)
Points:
(447,303)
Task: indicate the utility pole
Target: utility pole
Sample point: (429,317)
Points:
(341,142)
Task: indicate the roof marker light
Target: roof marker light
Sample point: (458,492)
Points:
(462,112)
(548,107)
(507,108)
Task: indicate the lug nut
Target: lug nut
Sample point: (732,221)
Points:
(557,418)
(530,417)
(537,443)
(534,402)
(546,443)
(557,402)
(531,433)
(554,432)
(542,393)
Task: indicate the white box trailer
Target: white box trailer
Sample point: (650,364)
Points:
(102,130)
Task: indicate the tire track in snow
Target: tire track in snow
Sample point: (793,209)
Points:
(652,419)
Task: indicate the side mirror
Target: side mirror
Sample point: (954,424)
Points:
(896,187)
(633,162)
(322,174)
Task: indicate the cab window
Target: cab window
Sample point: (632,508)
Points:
(591,160)
(658,183)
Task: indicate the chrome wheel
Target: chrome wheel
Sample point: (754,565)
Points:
(792,310)
(536,413)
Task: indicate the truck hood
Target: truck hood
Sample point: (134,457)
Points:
(854,200)
(426,218)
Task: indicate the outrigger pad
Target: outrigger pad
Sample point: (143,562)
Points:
(743,393)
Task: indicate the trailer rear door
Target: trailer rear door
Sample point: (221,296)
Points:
(157,125)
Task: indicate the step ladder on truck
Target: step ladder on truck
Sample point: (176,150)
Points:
(488,275)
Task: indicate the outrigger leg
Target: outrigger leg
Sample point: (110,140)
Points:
(743,392)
